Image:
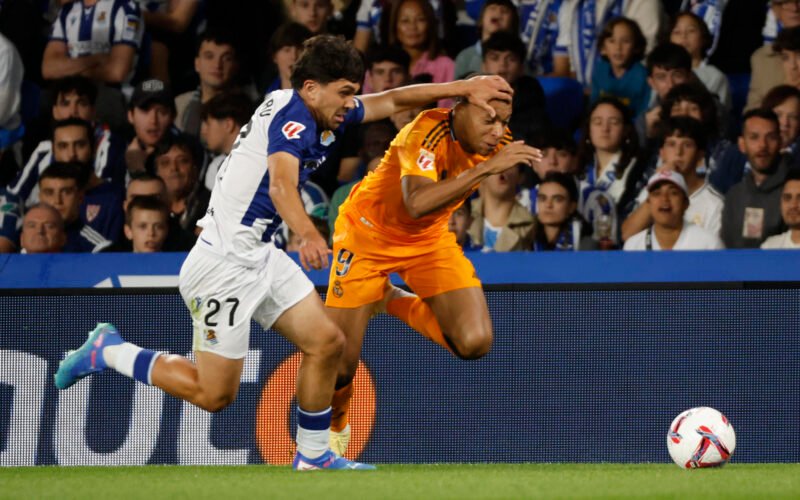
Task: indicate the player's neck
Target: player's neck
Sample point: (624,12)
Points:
(667,236)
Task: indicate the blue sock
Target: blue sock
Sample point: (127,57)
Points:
(143,365)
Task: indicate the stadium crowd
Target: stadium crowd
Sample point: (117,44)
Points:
(664,124)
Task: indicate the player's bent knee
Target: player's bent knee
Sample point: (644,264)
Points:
(473,344)
(215,403)
(329,342)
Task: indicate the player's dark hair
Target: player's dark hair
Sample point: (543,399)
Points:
(639,41)
(289,34)
(67,170)
(234,105)
(325,59)
(504,41)
(392,53)
(74,122)
(764,114)
(80,85)
(669,56)
(685,126)
(146,203)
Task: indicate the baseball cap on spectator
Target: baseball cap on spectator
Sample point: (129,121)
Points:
(667,175)
(151,92)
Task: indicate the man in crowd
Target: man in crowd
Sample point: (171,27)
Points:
(42,230)
(790,211)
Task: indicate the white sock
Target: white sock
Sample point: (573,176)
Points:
(121,357)
(313,443)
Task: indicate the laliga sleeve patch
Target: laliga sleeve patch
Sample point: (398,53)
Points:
(425,161)
(291,130)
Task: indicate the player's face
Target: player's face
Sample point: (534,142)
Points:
(687,108)
(42,231)
(459,223)
(313,14)
(412,25)
(503,63)
(216,134)
(284,58)
(71,105)
(760,142)
(151,124)
(667,204)
(495,18)
(662,80)
(687,34)
(618,48)
(606,127)
(147,230)
(176,169)
(789,118)
(215,64)
(681,154)
(63,195)
(553,205)
(144,188)
(72,144)
(387,75)
(332,101)
(483,132)
(790,204)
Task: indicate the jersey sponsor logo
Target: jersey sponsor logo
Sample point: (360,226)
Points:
(291,130)
(425,161)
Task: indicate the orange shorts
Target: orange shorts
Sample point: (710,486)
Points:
(362,262)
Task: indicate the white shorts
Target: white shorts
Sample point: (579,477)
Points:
(223,296)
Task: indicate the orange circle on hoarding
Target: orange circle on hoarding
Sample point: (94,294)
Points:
(273,434)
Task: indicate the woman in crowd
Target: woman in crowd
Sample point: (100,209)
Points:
(559,226)
(412,25)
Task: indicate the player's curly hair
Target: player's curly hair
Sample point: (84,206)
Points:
(325,59)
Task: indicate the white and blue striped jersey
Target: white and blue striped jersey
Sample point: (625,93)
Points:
(241,217)
(95,29)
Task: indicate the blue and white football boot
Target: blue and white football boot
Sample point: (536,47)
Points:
(88,358)
(327,461)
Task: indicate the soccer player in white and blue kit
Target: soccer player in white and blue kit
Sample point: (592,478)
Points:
(234,273)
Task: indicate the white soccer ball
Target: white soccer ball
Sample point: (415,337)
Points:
(701,437)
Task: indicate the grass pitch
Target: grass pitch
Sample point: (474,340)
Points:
(405,481)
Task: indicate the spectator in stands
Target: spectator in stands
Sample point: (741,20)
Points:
(313,14)
(101,208)
(176,160)
(784,100)
(144,184)
(539,31)
(285,47)
(682,151)
(668,200)
(61,187)
(752,207)
(152,114)
(618,71)
(412,25)
(790,212)
(559,226)
(690,32)
(503,53)
(10,222)
(710,11)
(387,68)
(147,224)
(501,223)
(459,224)
(165,21)
(667,66)
(99,39)
(607,155)
(580,23)
(42,230)
(217,66)
(74,97)
(222,119)
(788,46)
(373,22)
(766,61)
(559,154)
(496,15)
(11,70)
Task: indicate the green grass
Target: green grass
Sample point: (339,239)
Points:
(405,481)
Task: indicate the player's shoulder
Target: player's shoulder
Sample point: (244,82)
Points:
(429,128)
(286,114)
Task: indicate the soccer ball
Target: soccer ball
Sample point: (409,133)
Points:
(701,437)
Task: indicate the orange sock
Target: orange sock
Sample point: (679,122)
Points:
(414,312)
(340,407)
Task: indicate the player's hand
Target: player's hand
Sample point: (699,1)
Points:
(483,89)
(515,153)
(314,252)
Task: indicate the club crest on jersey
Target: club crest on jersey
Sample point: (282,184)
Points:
(92,211)
(326,138)
(291,130)
(425,161)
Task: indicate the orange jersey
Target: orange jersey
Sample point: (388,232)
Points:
(424,147)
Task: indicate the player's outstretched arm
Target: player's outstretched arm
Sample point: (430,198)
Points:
(422,195)
(478,90)
(284,171)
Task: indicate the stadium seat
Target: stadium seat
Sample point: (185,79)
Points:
(564,99)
